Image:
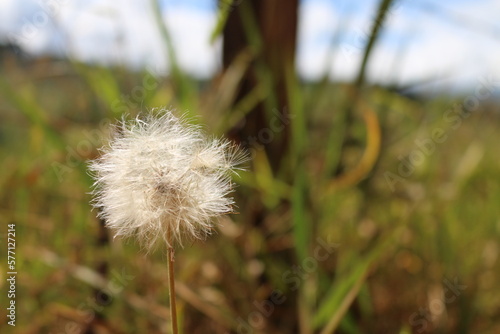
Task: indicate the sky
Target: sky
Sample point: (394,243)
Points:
(451,43)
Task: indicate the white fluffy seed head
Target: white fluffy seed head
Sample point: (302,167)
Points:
(161,178)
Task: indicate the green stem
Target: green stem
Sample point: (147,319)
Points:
(171,288)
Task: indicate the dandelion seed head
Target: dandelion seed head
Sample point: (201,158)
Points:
(162,178)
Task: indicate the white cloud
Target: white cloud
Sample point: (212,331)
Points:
(437,47)
(315,34)
(415,45)
(190,31)
(8,13)
(107,31)
(128,33)
(117,32)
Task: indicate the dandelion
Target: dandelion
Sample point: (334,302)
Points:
(163,179)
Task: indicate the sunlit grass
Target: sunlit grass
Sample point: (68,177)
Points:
(393,249)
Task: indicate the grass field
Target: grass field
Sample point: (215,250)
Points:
(408,246)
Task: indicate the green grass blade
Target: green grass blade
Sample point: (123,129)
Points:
(343,291)
(102,82)
(224,8)
(185,89)
(22,99)
(301,227)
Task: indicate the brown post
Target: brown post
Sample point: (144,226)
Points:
(276,21)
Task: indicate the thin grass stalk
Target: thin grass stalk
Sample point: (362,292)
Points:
(171,286)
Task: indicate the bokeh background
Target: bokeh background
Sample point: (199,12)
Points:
(371,202)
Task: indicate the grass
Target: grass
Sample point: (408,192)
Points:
(361,258)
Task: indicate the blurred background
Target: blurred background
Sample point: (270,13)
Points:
(370,205)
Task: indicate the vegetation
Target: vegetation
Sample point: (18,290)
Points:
(363,231)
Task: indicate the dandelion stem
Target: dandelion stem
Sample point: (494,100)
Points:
(171,287)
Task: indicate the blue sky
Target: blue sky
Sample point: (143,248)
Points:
(453,41)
